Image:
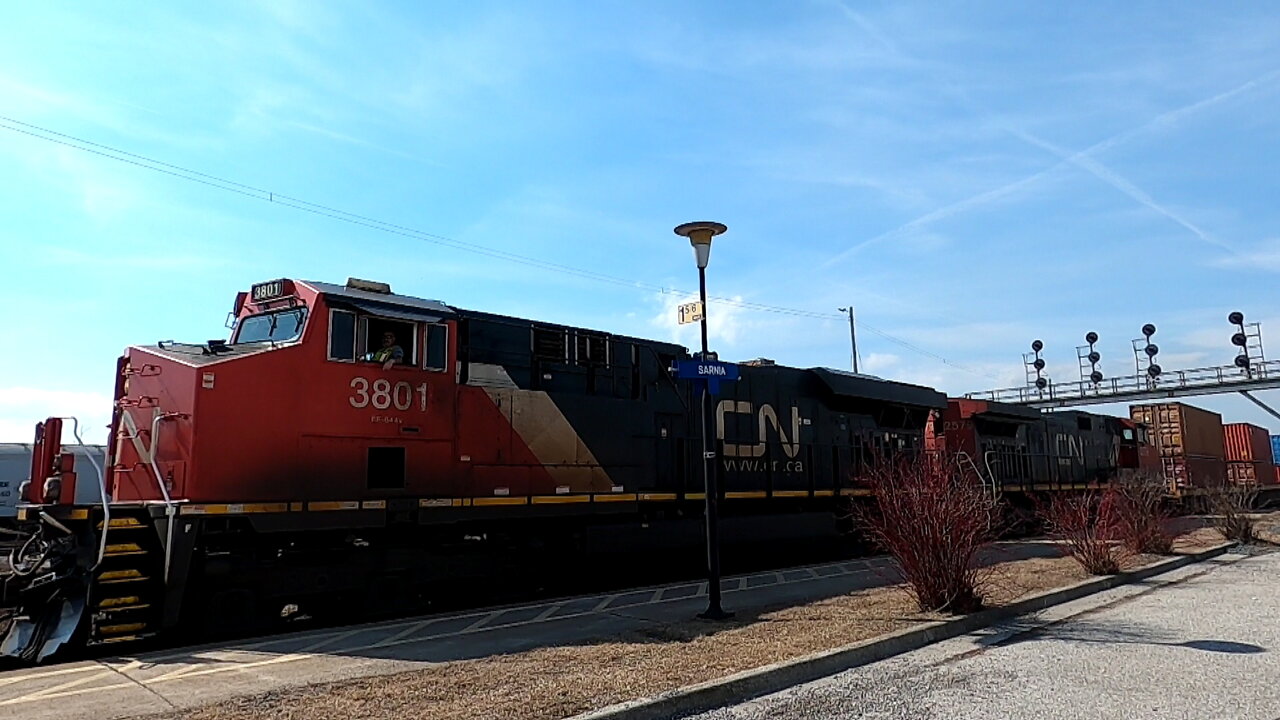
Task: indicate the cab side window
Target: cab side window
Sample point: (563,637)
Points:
(342,335)
(436,356)
(378,333)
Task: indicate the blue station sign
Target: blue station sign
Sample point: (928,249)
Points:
(712,372)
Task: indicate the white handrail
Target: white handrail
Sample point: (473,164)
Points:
(102,490)
(164,491)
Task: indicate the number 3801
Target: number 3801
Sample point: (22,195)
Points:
(381,394)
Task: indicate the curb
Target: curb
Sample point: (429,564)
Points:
(760,681)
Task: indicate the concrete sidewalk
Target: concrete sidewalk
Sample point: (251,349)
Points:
(152,682)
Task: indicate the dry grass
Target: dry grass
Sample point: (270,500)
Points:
(1267,527)
(562,681)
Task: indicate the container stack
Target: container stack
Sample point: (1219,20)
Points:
(1275,456)
(1250,461)
(1189,441)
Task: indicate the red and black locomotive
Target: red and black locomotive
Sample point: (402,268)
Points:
(347,445)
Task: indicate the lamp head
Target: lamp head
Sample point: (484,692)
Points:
(700,234)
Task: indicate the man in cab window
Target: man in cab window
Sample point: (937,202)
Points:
(390,353)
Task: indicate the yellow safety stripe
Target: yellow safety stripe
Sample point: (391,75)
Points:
(615,497)
(791,493)
(26,513)
(501,500)
(658,496)
(54,512)
(560,499)
(857,492)
(233,508)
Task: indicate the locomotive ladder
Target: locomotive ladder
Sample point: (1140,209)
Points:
(127,587)
(129,581)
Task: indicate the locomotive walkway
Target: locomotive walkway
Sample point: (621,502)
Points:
(159,681)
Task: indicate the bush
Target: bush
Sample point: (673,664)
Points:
(1086,525)
(1140,513)
(1229,506)
(932,517)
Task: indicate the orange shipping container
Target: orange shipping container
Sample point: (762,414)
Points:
(1249,473)
(1179,430)
(1247,443)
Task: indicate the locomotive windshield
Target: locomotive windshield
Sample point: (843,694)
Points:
(280,326)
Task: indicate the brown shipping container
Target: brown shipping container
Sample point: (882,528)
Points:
(1194,472)
(1182,430)
(1247,443)
(1249,473)
(1277,478)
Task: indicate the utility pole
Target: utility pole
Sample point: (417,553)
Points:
(853,336)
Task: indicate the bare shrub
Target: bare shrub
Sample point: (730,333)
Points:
(1086,524)
(1229,507)
(932,517)
(1140,513)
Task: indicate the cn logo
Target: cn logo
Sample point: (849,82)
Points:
(765,417)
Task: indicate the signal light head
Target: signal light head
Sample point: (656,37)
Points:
(1242,361)
(1096,377)
(1038,363)
(1153,370)
(1151,349)
(1042,383)
(1094,357)
(1037,346)
(1148,330)
(1236,318)
(1239,340)
(1091,337)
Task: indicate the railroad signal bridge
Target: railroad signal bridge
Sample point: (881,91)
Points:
(1249,372)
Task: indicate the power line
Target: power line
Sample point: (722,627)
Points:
(221,183)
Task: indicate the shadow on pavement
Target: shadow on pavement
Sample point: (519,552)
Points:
(1080,630)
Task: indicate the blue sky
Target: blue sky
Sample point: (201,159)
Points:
(969,175)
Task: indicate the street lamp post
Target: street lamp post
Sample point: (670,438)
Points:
(700,234)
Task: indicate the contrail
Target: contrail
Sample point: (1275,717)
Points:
(1119,182)
(1081,159)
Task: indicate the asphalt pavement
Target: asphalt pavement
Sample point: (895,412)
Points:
(1200,642)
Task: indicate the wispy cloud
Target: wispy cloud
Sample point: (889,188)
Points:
(1114,179)
(1264,256)
(1082,158)
(725,322)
